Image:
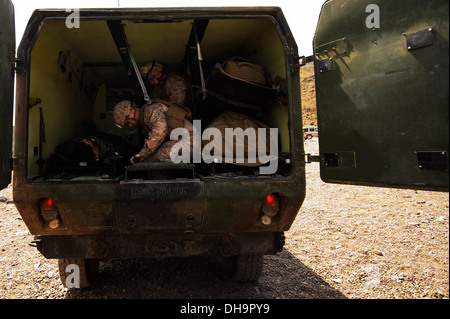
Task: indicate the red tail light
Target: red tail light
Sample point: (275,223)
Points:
(49,213)
(271,201)
(270,208)
(47,204)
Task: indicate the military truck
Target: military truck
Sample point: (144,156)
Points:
(381,78)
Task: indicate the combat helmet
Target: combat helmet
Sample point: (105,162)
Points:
(120,113)
(151,69)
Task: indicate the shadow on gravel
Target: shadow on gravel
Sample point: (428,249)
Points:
(283,277)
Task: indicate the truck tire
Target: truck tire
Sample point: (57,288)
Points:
(88,272)
(247,268)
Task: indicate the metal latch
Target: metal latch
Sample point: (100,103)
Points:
(328,52)
(189,224)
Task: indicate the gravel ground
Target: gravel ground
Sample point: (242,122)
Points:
(347,242)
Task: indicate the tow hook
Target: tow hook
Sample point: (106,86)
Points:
(36,242)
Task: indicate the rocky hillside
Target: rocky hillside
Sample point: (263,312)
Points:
(308,93)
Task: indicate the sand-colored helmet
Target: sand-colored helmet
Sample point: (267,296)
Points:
(121,112)
(151,69)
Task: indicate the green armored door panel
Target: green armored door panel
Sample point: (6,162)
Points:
(7,55)
(382,81)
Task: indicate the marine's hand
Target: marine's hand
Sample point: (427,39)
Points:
(136,159)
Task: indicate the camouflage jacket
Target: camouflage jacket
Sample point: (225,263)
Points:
(172,89)
(153,122)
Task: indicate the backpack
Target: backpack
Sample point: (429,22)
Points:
(175,115)
(234,120)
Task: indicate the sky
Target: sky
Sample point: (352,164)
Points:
(302,15)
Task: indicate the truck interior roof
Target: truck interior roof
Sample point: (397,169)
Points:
(168,42)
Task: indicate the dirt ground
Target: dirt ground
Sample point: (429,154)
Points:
(347,242)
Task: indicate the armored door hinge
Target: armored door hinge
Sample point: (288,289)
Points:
(302,60)
(306,59)
(16,65)
(311,158)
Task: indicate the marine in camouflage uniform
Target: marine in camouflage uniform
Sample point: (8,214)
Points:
(170,87)
(154,125)
(165,90)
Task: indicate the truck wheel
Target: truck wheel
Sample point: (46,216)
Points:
(308,137)
(78,272)
(246,268)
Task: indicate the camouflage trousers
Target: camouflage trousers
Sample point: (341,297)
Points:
(162,153)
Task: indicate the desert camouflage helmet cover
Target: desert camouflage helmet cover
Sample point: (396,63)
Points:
(151,69)
(121,111)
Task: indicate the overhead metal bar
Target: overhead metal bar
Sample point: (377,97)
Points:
(121,41)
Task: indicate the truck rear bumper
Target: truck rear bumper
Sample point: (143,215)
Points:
(159,245)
